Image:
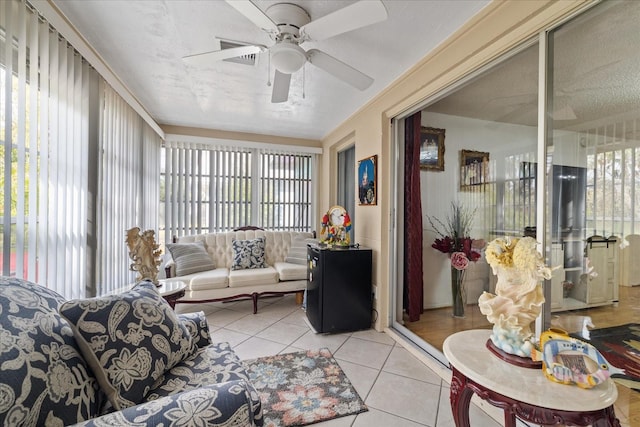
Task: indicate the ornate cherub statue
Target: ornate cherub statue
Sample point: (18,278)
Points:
(145,253)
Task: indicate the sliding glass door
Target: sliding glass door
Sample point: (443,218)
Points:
(489,128)
(492,166)
(594,151)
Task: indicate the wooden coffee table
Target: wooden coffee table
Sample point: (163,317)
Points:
(522,392)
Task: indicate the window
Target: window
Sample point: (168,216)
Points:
(613,180)
(44,154)
(519,193)
(285,191)
(127,186)
(78,167)
(212,188)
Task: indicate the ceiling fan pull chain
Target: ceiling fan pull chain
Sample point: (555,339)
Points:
(304,80)
(269,70)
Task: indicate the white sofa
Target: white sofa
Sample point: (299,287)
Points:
(286,270)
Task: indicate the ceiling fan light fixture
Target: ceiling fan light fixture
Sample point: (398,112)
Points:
(287,57)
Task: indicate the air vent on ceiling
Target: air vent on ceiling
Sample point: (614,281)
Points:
(244,59)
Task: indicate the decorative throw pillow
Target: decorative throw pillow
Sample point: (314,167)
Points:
(298,250)
(129,340)
(248,254)
(44,379)
(190,257)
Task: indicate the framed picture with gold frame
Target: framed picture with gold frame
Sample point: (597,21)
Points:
(474,168)
(432,149)
(367,181)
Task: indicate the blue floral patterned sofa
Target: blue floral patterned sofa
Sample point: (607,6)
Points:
(114,361)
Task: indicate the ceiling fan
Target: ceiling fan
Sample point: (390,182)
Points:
(289,25)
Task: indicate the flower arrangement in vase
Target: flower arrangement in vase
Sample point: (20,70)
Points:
(455,241)
(518,300)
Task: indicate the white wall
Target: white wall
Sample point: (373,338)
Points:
(486,36)
(440,189)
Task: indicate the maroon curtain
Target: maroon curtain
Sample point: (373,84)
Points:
(412,219)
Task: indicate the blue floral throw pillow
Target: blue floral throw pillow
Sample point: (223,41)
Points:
(44,380)
(129,340)
(248,254)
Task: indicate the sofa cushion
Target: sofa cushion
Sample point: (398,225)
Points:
(298,251)
(248,254)
(288,271)
(190,257)
(213,279)
(215,405)
(213,364)
(44,379)
(263,276)
(129,340)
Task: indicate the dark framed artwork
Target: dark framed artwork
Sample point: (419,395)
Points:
(432,149)
(474,168)
(367,181)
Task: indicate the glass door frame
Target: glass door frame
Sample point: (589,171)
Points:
(543,212)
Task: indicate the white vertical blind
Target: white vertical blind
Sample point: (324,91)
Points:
(45,139)
(613,178)
(285,201)
(46,217)
(150,184)
(128,187)
(34,41)
(22,108)
(205,189)
(217,187)
(6,59)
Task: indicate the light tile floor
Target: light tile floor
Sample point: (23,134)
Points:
(399,390)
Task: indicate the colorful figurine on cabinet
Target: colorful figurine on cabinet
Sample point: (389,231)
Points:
(336,223)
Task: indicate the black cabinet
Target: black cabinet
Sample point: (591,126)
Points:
(339,289)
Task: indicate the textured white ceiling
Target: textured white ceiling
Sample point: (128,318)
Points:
(143,42)
(595,77)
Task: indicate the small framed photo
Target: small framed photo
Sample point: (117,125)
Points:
(432,149)
(474,168)
(367,181)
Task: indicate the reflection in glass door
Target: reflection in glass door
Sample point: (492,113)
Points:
(596,142)
(489,170)
(593,228)
(591,182)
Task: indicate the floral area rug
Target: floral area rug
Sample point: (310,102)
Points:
(303,388)
(620,345)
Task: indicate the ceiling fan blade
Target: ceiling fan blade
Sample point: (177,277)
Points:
(218,55)
(339,69)
(254,14)
(281,82)
(352,17)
